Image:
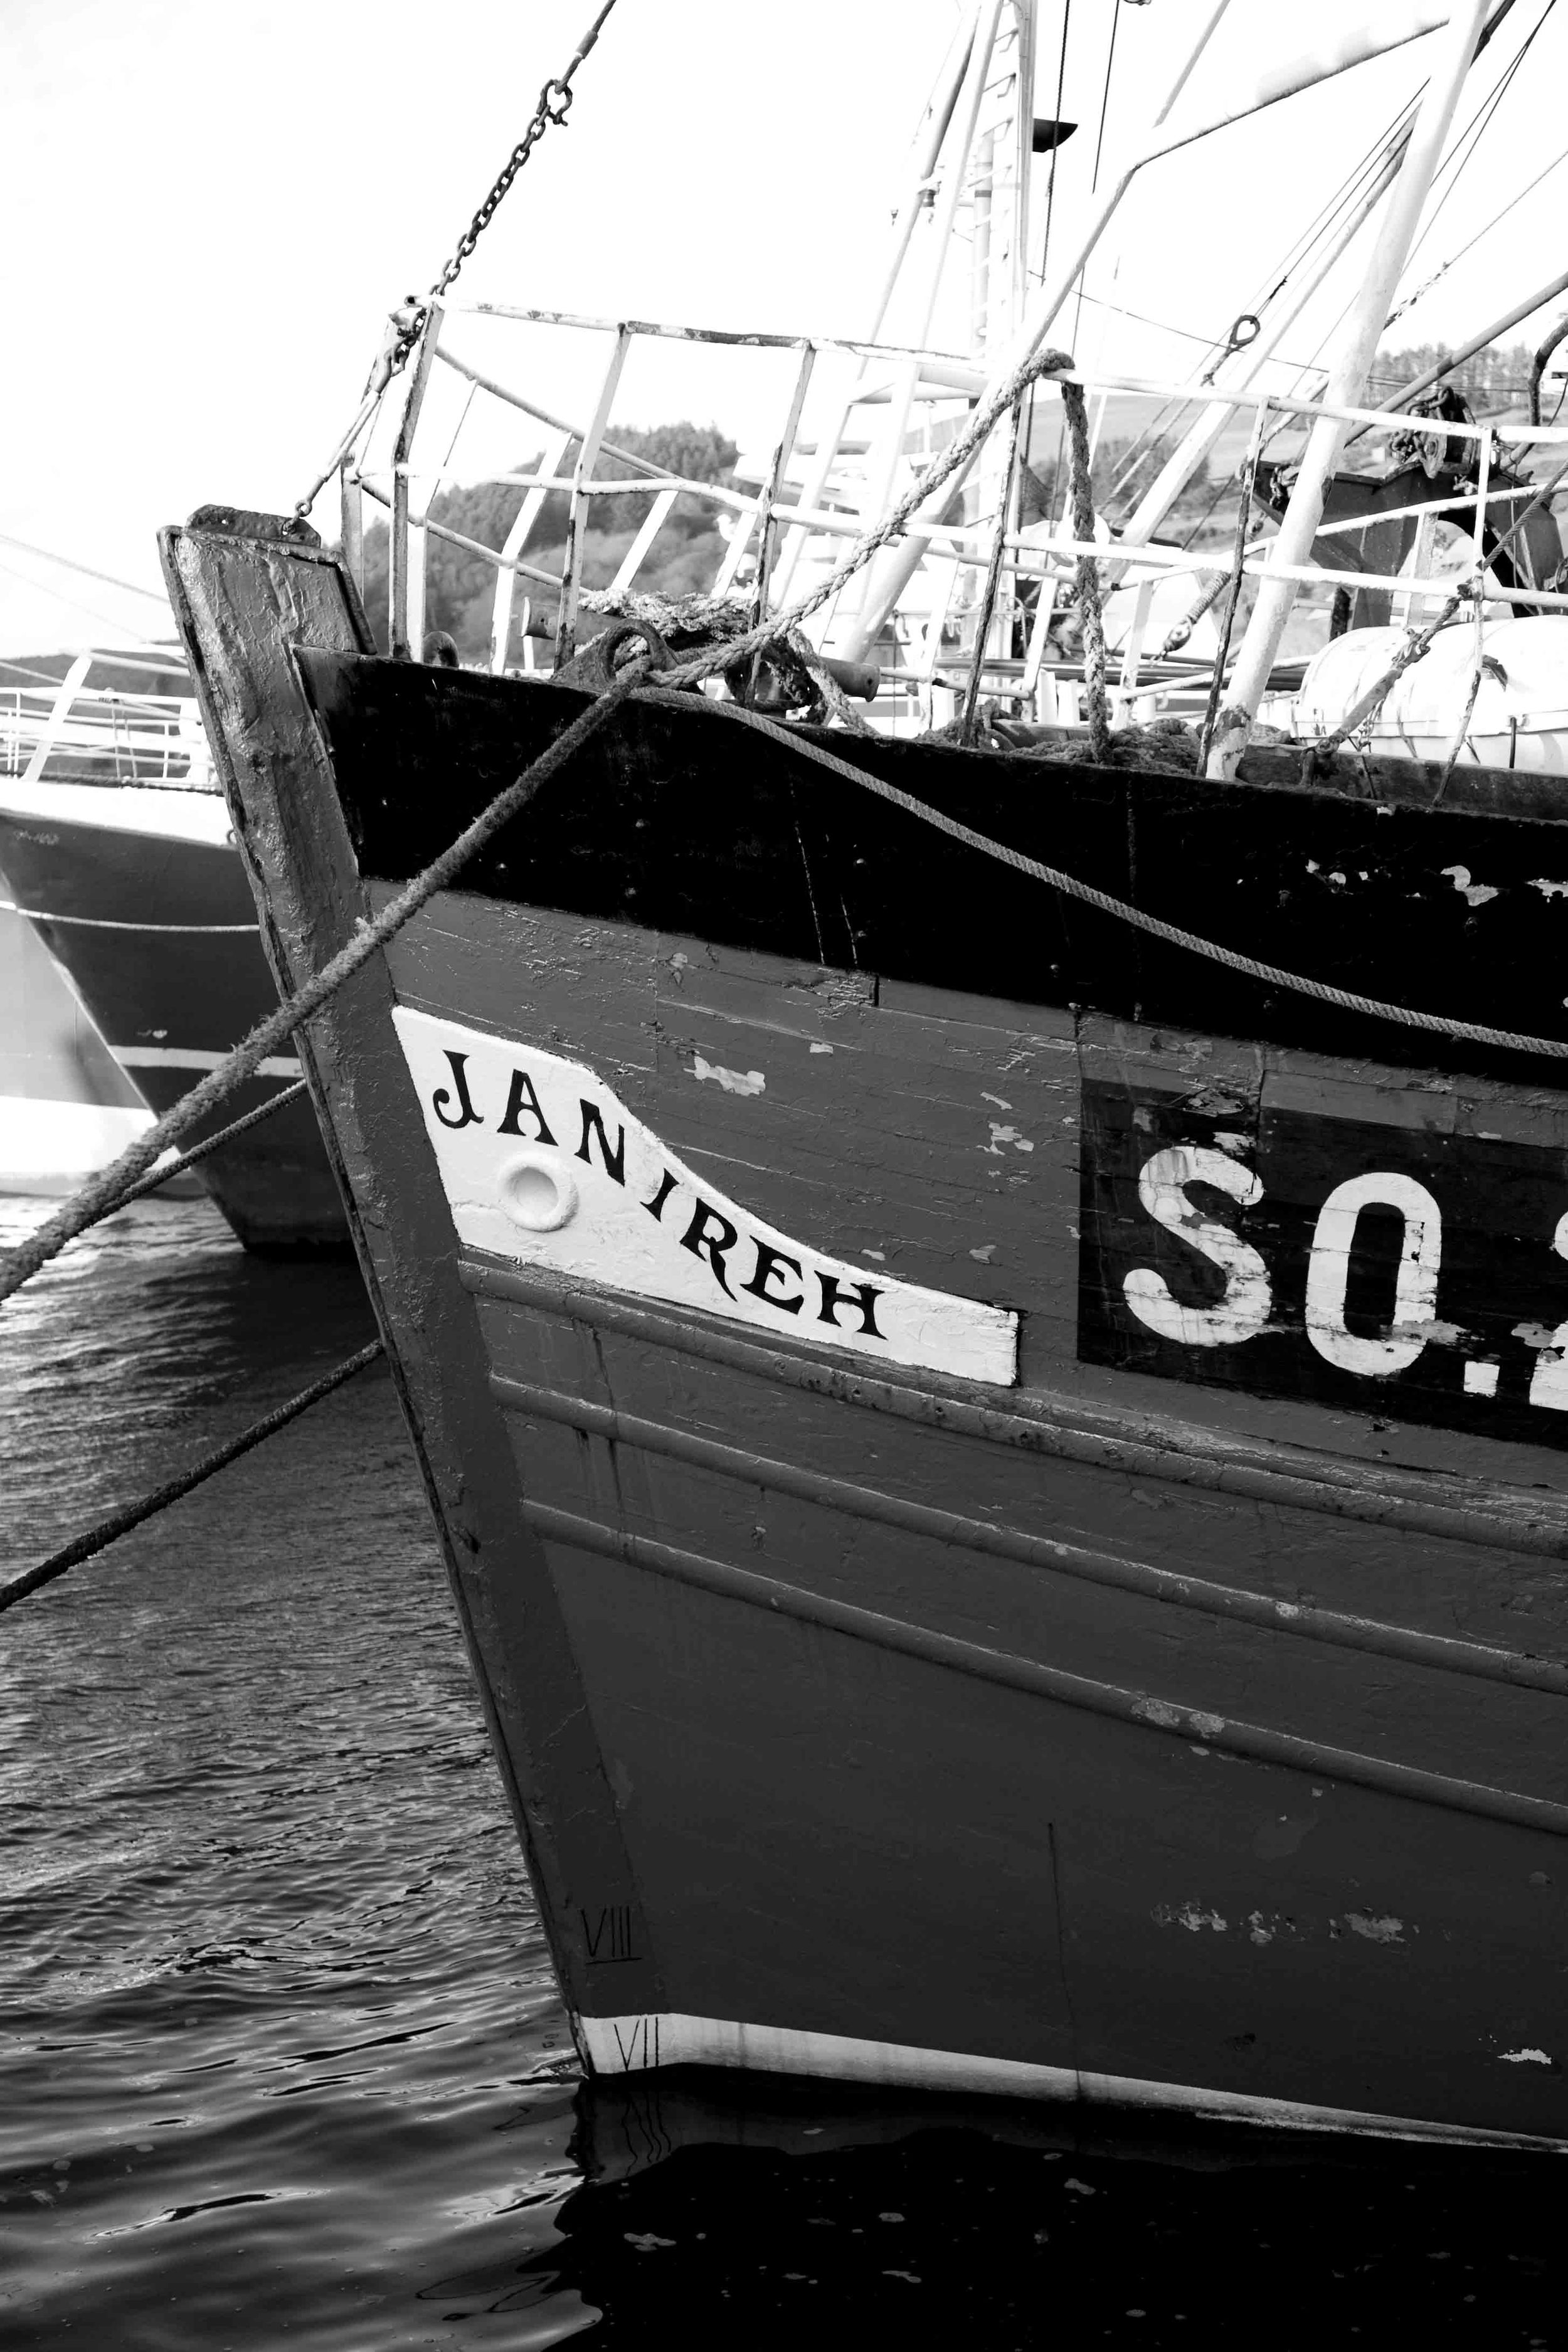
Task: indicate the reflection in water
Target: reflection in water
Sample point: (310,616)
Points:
(280,2055)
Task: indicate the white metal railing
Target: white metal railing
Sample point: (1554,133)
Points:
(963,590)
(70,729)
(808,500)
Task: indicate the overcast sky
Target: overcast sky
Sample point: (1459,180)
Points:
(210,204)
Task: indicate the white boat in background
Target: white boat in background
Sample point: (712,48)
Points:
(137,942)
(66,1107)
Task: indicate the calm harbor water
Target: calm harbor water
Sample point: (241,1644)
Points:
(280,2054)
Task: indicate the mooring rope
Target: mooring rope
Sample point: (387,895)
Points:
(103,922)
(1349,999)
(945,464)
(120,1523)
(1080,480)
(184,1159)
(103,1194)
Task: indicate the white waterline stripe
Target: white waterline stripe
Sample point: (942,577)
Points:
(629,2045)
(102,923)
(193,1057)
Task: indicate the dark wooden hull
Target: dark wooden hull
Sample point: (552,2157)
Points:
(170,999)
(888,1704)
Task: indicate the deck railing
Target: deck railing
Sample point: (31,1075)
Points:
(810,498)
(72,730)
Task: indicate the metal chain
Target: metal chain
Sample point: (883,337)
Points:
(554,105)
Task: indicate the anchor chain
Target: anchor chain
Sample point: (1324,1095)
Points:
(554,105)
(408,321)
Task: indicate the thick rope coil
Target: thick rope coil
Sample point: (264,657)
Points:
(1232,583)
(987,613)
(1076,410)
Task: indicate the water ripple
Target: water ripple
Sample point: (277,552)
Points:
(280,2054)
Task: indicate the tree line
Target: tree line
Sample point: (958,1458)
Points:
(459,592)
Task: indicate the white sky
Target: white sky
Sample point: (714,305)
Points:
(210,204)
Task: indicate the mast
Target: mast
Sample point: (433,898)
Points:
(896,565)
(935,132)
(1368,318)
(977,157)
(1000,285)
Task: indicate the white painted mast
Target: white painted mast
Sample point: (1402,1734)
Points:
(935,130)
(1347,383)
(976,153)
(896,565)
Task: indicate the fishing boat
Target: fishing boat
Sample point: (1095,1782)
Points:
(121,864)
(983,1301)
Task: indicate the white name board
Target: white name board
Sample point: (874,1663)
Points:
(544,1163)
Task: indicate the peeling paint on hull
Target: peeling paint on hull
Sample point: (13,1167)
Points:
(1196,1734)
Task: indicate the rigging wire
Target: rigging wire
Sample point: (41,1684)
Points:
(1105,99)
(1055,150)
(409,321)
(1411,300)
(1209,343)
(69,564)
(1322,225)
(1325,224)
(79,605)
(1098,150)
(1461,155)
(1331,332)
(1347,193)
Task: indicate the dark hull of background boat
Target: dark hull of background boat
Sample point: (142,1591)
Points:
(169,1000)
(1140,1730)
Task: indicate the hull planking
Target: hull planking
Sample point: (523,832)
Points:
(1004,1486)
